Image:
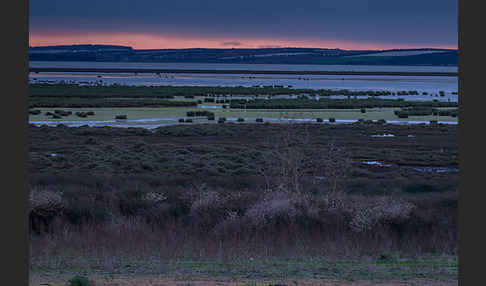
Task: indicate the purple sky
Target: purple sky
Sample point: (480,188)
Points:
(347,24)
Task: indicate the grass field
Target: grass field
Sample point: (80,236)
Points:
(180,112)
(427,270)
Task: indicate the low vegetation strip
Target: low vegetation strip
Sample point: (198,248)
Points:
(327,103)
(83,102)
(114,90)
(425,110)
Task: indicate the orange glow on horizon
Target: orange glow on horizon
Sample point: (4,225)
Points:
(147,41)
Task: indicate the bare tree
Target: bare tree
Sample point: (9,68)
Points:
(289,158)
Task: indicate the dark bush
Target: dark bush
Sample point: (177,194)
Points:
(34,112)
(181,120)
(121,117)
(332,119)
(199,113)
(240,119)
(79,280)
(363,110)
(259,120)
(81,210)
(319,120)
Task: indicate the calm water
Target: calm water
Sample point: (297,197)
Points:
(429,84)
(50,64)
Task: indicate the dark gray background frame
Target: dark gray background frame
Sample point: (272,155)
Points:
(14,152)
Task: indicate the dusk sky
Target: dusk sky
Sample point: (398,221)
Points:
(152,24)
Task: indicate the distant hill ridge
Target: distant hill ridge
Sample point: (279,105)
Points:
(114,53)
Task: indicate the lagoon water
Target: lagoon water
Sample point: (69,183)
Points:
(210,66)
(430,84)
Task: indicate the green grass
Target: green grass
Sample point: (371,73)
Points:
(434,268)
(180,112)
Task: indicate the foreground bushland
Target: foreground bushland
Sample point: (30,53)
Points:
(243,201)
(239,191)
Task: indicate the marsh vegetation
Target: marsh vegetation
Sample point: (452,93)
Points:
(243,189)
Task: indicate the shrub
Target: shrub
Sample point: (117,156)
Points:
(241,119)
(79,281)
(416,111)
(381,121)
(90,113)
(121,117)
(363,110)
(55,116)
(189,120)
(211,117)
(319,120)
(208,209)
(62,112)
(181,120)
(34,112)
(332,119)
(402,115)
(44,206)
(81,210)
(259,120)
(381,211)
(199,113)
(453,112)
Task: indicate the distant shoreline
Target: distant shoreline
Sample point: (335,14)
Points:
(204,71)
